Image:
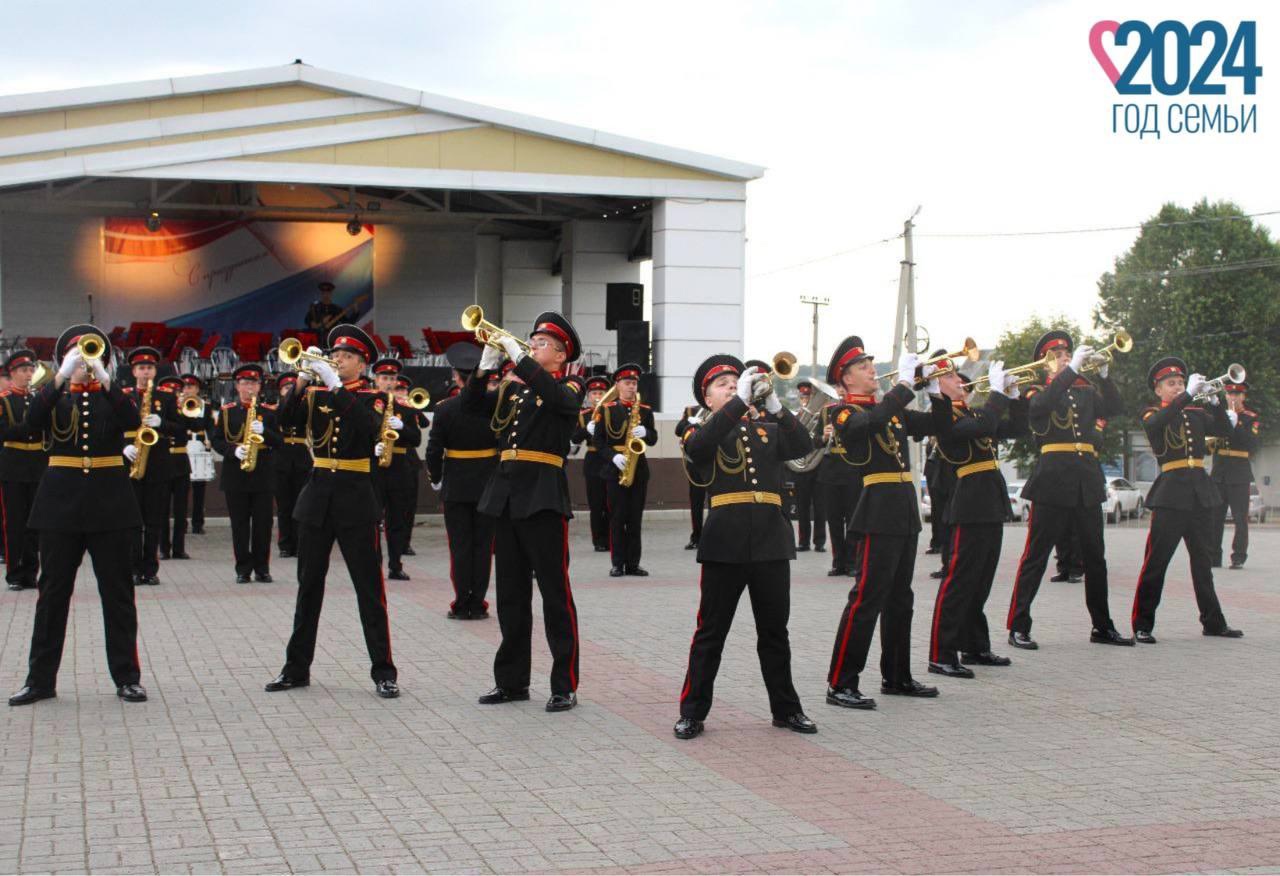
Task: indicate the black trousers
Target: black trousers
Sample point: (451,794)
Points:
(598,503)
(839,501)
(959,610)
(1045,526)
(175,516)
(411,505)
(397,521)
(197,504)
(697,510)
(470,536)
(811,509)
(61,553)
(721,586)
(151,493)
(250,530)
(626,514)
(1068,557)
(939,531)
(21,545)
(883,593)
(359,546)
(1169,526)
(289,483)
(1235,497)
(536,546)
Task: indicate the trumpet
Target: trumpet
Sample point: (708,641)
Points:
(1122,344)
(193,406)
(486,332)
(419,398)
(1235,374)
(1025,373)
(969,352)
(783,367)
(292,353)
(91,347)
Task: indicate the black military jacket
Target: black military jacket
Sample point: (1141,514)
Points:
(400,472)
(731,454)
(875,439)
(591,457)
(342,424)
(1061,414)
(462,478)
(23,455)
(837,466)
(1229,466)
(536,416)
(969,437)
(87,424)
(612,434)
(230,434)
(293,455)
(1177,431)
(172,431)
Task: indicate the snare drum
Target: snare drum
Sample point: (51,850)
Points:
(201,458)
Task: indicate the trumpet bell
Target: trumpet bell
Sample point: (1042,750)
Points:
(419,398)
(970,350)
(1236,373)
(473,317)
(91,347)
(784,365)
(1123,341)
(192,407)
(290,351)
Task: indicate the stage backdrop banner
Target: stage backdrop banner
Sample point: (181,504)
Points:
(231,275)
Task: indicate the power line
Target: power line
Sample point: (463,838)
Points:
(824,258)
(1098,230)
(1201,270)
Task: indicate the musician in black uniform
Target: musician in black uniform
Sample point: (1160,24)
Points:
(338,504)
(1233,475)
(1183,499)
(462,453)
(747,543)
(403,385)
(83,503)
(200,428)
(1066,488)
(292,465)
(248,493)
(968,444)
(173,529)
(839,473)
(394,484)
(323,314)
(811,510)
(152,489)
(23,458)
(533,415)
(940,480)
(4,387)
(626,503)
(887,518)
(697,494)
(592,462)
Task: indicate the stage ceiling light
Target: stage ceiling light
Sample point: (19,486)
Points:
(354,227)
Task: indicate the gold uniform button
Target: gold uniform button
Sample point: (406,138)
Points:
(754,481)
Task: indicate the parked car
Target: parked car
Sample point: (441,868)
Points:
(1257,510)
(1018,506)
(926,504)
(1123,500)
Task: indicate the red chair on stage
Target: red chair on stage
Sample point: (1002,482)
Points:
(251,346)
(42,347)
(400,344)
(377,341)
(188,336)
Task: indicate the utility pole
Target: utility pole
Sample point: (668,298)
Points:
(905,321)
(815,301)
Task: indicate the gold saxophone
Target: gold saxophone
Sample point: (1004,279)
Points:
(635,446)
(386,434)
(145,439)
(250,440)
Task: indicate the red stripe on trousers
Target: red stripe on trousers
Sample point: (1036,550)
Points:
(568,603)
(1146,558)
(942,594)
(688,672)
(1017,576)
(382,593)
(853,609)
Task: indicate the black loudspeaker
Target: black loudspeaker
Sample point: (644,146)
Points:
(648,390)
(633,342)
(622,301)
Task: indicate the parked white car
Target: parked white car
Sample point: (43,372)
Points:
(1018,506)
(1123,500)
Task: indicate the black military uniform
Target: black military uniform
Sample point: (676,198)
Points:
(84,503)
(173,528)
(1233,475)
(1066,488)
(22,463)
(248,493)
(940,479)
(152,489)
(321,315)
(888,520)
(394,483)
(840,473)
(403,386)
(293,468)
(528,493)
(626,503)
(200,428)
(592,463)
(1181,501)
(747,544)
(811,507)
(338,504)
(697,494)
(462,453)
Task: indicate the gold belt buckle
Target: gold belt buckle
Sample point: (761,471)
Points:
(86,462)
(757,497)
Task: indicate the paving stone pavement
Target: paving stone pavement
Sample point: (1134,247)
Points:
(1078,758)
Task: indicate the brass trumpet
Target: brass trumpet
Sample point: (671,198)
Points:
(784,366)
(192,406)
(1025,373)
(1123,343)
(1235,374)
(486,332)
(91,347)
(419,398)
(292,353)
(969,352)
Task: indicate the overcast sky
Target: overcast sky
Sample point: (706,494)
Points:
(994,117)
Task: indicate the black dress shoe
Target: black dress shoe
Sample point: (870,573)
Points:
(1235,566)
(802,548)
(398,575)
(910,688)
(181,555)
(940,573)
(1059,578)
(932,550)
(409,552)
(242,579)
(30,694)
(951,670)
(687,728)
(149,580)
(1108,637)
(691,546)
(285,553)
(501,695)
(798,723)
(1226,633)
(602,548)
(15,586)
(985,658)
(637,571)
(1144,637)
(562,702)
(455,614)
(387,689)
(849,698)
(1073,578)
(478,614)
(617,572)
(132,693)
(284,682)
(820,548)
(164,555)
(262,577)
(837,572)
(1023,641)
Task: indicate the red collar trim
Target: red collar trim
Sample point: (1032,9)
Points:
(354,384)
(86,387)
(852,399)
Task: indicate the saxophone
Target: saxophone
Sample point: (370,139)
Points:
(386,434)
(635,446)
(145,438)
(250,441)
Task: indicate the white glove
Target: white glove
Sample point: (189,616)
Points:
(591,428)
(1104,369)
(378,448)
(1080,356)
(996,378)
(99,371)
(304,379)
(929,370)
(130,452)
(1012,390)
(745,382)
(773,404)
(152,420)
(1214,400)
(326,374)
(1233,417)
(1195,383)
(241,451)
(514,350)
(256,427)
(69,362)
(395,423)
(907,364)
(934,387)
(620,461)
(639,432)
(491,358)
(436,485)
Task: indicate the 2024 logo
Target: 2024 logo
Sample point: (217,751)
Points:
(1166,50)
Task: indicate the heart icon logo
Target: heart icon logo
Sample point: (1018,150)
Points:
(1099,53)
